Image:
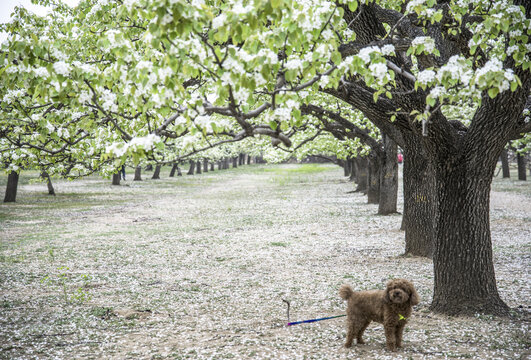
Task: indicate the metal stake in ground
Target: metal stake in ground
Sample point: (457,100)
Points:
(287,302)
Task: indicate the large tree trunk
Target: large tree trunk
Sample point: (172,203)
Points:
(205,165)
(45,176)
(116,178)
(12,186)
(420,202)
(520,161)
(373,191)
(505,164)
(156,173)
(235,162)
(464,280)
(212,166)
(362,173)
(138,173)
(388,178)
(192,168)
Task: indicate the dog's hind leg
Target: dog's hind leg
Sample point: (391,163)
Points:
(351,332)
(361,330)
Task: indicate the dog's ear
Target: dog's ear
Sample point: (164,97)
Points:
(387,298)
(414,298)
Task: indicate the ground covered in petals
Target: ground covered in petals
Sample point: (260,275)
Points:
(197,267)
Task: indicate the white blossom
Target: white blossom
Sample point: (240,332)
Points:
(378,70)
(425,77)
(428,42)
(388,49)
(61,68)
(365,53)
(219,21)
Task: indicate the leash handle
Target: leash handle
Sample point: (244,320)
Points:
(313,320)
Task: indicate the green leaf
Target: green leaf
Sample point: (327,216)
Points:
(352,5)
(493,92)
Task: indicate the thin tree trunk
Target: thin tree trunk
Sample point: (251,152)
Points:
(464,281)
(346,167)
(248,159)
(173,169)
(212,167)
(116,178)
(352,169)
(149,167)
(198,167)
(138,173)
(156,173)
(373,191)
(363,173)
(179,173)
(12,186)
(45,176)
(235,162)
(192,168)
(205,165)
(520,161)
(505,164)
(388,178)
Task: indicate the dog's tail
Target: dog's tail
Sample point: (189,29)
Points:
(345,292)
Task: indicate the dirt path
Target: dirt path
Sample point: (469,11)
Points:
(197,267)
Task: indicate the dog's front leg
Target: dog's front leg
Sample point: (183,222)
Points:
(390,337)
(399,333)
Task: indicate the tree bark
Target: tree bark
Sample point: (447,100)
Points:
(520,161)
(12,186)
(46,176)
(156,173)
(138,173)
(116,178)
(192,168)
(198,167)
(464,280)
(346,167)
(373,191)
(173,170)
(420,202)
(363,173)
(235,162)
(212,166)
(388,178)
(352,169)
(248,159)
(205,165)
(149,167)
(505,164)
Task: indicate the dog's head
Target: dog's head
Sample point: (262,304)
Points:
(400,291)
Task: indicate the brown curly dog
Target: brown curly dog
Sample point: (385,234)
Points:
(390,307)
